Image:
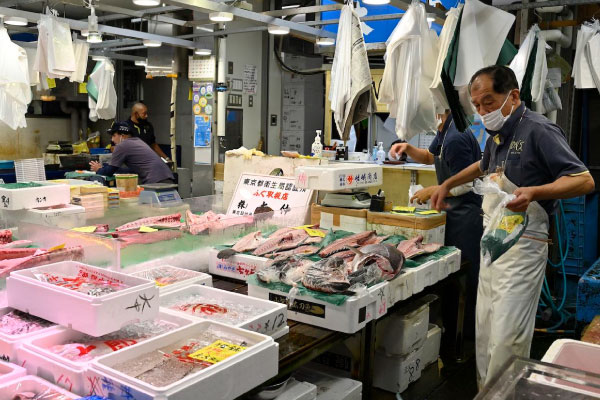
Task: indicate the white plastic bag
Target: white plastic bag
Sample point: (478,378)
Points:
(412,190)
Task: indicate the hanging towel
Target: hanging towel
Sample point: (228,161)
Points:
(81,50)
(351,83)
(15,93)
(34,76)
(581,65)
(410,59)
(520,62)
(593,56)
(102,96)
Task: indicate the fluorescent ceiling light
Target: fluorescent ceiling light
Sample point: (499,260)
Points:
(292,6)
(152,43)
(141,63)
(85,32)
(325,41)
(278,30)
(16,21)
(146,3)
(203,52)
(94,37)
(376,2)
(220,16)
(98,58)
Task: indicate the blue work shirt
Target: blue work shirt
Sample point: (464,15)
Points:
(460,149)
(539,153)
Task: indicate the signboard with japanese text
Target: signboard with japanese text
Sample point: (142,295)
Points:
(202,107)
(267,193)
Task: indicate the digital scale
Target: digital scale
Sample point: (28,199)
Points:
(160,194)
(354,199)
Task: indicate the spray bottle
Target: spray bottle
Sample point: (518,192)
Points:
(317,147)
(380,154)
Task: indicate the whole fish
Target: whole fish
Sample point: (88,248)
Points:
(298,251)
(248,243)
(8,254)
(150,237)
(375,263)
(348,255)
(165,221)
(356,240)
(328,276)
(414,247)
(209,221)
(44,257)
(289,240)
(5,236)
(289,271)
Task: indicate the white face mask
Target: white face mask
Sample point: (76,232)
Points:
(494,120)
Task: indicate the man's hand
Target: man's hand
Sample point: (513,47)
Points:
(424,194)
(95,165)
(438,197)
(398,149)
(524,196)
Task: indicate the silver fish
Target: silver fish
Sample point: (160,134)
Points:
(328,276)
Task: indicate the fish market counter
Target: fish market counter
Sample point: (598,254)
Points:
(398,178)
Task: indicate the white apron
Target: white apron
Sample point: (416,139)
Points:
(509,291)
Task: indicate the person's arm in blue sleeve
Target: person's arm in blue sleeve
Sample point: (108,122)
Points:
(107,170)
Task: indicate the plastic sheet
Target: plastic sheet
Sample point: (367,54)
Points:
(83,283)
(19,323)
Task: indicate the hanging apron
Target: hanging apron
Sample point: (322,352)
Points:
(509,290)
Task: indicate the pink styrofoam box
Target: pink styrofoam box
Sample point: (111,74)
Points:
(95,316)
(272,321)
(39,360)
(10,343)
(33,384)
(190,277)
(227,379)
(9,372)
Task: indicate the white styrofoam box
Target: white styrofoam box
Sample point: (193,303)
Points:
(431,347)
(33,384)
(281,332)
(237,267)
(329,385)
(395,373)
(39,360)
(295,390)
(227,379)
(271,321)
(42,196)
(453,261)
(347,223)
(9,372)
(10,343)
(95,316)
(349,317)
(195,277)
(425,275)
(400,334)
(401,287)
(339,176)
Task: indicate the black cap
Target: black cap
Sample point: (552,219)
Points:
(120,127)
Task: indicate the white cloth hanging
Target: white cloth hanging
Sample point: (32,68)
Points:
(34,76)
(593,57)
(351,82)
(519,63)
(55,55)
(540,72)
(410,64)
(81,50)
(581,65)
(102,96)
(15,93)
(437,88)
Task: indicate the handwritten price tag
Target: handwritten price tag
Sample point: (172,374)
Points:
(217,352)
(428,212)
(404,209)
(311,232)
(147,229)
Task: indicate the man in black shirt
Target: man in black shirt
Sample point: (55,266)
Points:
(144,129)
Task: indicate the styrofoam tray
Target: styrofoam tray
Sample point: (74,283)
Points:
(395,373)
(195,277)
(34,197)
(452,261)
(270,322)
(349,317)
(340,176)
(227,379)
(9,372)
(39,360)
(10,343)
(237,267)
(33,384)
(95,316)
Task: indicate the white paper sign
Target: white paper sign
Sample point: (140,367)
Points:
(250,79)
(278,193)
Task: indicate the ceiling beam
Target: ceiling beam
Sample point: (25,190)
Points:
(124,13)
(225,32)
(382,17)
(111,30)
(303,10)
(210,6)
(550,3)
(13,3)
(117,56)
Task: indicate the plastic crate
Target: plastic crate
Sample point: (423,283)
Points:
(588,294)
(581,218)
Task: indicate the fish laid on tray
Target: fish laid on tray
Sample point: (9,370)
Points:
(289,271)
(210,221)
(349,242)
(40,257)
(163,221)
(414,247)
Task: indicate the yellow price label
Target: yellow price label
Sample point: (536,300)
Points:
(147,229)
(217,352)
(404,209)
(51,83)
(510,222)
(82,87)
(59,247)
(311,232)
(427,212)
(85,229)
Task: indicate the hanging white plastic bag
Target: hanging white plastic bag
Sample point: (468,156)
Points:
(504,227)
